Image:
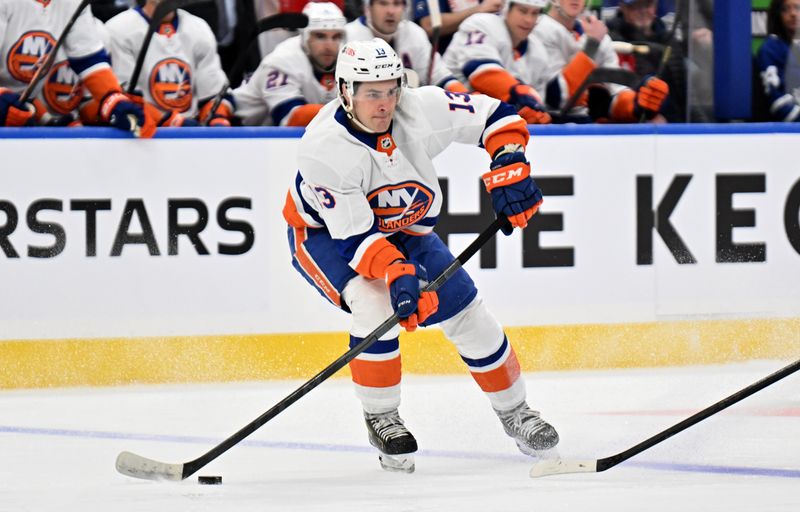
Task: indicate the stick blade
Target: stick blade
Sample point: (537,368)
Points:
(546,467)
(136,466)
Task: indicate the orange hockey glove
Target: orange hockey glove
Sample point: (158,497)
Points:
(403,278)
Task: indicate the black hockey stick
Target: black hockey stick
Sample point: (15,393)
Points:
(137,466)
(161,10)
(558,466)
(287,20)
(42,70)
(436,33)
(601,75)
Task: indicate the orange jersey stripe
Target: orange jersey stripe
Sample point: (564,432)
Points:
(102,82)
(512,133)
(376,374)
(291,214)
(501,378)
(495,82)
(377,258)
(316,275)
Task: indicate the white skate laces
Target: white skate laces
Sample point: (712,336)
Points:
(395,444)
(533,435)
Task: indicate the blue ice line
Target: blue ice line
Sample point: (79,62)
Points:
(323,447)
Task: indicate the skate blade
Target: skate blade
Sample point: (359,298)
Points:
(403,463)
(549,454)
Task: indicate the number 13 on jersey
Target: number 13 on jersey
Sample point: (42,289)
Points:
(460,101)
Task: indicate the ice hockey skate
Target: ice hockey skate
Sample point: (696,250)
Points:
(395,444)
(533,435)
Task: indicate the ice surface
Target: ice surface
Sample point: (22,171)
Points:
(58,446)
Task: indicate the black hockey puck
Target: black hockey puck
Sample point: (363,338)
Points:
(209,480)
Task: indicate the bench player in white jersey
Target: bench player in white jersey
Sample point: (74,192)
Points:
(28,32)
(566,32)
(295,80)
(384,19)
(181,74)
(498,56)
(361,213)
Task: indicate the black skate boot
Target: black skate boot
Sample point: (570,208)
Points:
(395,444)
(533,435)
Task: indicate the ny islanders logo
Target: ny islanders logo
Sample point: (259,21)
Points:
(171,85)
(399,206)
(27,53)
(63,89)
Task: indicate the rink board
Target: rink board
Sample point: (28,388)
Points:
(167,260)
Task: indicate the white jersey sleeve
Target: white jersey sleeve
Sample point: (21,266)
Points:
(209,77)
(481,43)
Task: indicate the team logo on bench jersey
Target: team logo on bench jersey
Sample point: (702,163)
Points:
(401,205)
(62,89)
(171,85)
(27,53)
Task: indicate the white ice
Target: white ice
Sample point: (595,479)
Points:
(58,446)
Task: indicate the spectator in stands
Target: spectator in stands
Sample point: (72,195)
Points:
(181,75)
(637,22)
(566,32)
(294,81)
(779,60)
(384,19)
(453,13)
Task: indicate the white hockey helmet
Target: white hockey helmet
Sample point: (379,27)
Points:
(541,4)
(322,16)
(366,61)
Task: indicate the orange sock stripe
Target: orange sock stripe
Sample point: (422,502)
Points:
(622,106)
(291,214)
(501,378)
(299,238)
(376,374)
(377,258)
(512,133)
(577,70)
(495,82)
(320,280)
(102,82)
(303,114)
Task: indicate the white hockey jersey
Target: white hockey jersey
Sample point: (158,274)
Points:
(412,46)
(562,44)
(483,42)
(182,66)
(284,80)
(29,30)
(363,187)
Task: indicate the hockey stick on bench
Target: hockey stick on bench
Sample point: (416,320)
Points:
(42,70)
(161,10)
(560,466)
(285,20)
(137,466)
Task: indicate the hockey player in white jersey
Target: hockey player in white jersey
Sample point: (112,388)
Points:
(384,19)
(181,74)
(28,32)
(498,56)
(295,80)
(361,214)
(566,32)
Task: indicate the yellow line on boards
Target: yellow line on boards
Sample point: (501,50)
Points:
(118,361)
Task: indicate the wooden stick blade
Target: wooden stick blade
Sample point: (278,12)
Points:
(548,467)
(136,466)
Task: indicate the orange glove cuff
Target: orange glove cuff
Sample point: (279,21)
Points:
(506,175)
(303,114)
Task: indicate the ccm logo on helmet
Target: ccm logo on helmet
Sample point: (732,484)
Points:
(24,55)
(399,206)
(63,89)
(171,85)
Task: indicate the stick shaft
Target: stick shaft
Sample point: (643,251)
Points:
(193,466)
(609,462)
(42,70)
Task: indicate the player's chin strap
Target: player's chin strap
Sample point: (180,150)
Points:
(348,109)
(556,4)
